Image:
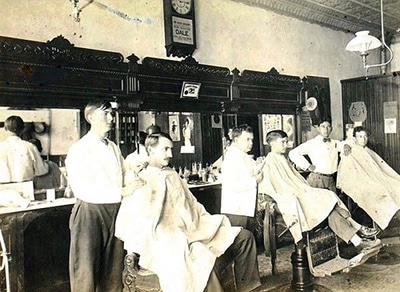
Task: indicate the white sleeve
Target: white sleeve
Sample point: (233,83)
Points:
(296,155)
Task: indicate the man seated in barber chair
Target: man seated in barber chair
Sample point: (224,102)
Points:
(369,181)
(303,207)
(176,238)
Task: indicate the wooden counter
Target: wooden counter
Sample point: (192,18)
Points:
(37,241)
(208,194)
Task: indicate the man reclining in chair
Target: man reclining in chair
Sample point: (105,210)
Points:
(304,207)
(174,235)
(369,181)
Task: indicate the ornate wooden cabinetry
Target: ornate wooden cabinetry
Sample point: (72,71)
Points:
(56,74)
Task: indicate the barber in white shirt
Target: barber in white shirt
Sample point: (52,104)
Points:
(19,160)
(240,176)
(96,171)
(323,153)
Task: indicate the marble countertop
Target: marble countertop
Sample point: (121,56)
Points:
(200,184)
(35,205)
(41,204)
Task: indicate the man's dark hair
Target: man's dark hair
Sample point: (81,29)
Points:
(275,134)
(142,137)
(94,105)
(359,129)
(237,131)
(329,120)
(14,124)
(153,139)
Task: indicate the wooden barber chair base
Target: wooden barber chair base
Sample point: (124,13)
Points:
(136,279)
(272,230)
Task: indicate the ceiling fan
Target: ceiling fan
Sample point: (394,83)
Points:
(76,11)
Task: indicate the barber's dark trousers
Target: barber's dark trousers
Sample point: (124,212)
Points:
(322,182)
(243,252)
(243,221)
(96,255)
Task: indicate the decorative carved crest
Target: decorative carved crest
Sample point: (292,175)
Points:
(188,68)
(58,49)
(270,77)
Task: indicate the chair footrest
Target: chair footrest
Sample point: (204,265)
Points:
(339,264)
(330,267)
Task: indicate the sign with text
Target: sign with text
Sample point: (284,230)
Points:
(182,30)
(190,89)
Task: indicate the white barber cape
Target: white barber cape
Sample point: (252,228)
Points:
(302,206)
(371,183)
(174,235)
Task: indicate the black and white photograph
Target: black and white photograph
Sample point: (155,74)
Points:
(199,146)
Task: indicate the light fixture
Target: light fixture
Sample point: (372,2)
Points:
(363,43)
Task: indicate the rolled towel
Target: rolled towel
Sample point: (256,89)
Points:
(11,198)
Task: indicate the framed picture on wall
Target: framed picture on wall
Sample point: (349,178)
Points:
(190,89)
(269,123)
(174,127)
(187,133)
(288,127)
(285,123)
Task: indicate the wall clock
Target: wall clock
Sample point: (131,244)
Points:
(179,27)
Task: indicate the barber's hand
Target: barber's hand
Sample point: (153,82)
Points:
(311,168)
(133,185)
(259,176)
(346,149)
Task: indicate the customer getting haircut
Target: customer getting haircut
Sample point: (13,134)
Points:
(275,134)
(14,124)
(360,129)
(153,139)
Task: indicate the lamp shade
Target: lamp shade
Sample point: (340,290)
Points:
(363,42)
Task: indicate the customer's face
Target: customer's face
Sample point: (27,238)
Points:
(244,141)
(361,138)
(325,129)
(160,154)
(279,145)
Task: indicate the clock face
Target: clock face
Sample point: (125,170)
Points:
(182,6)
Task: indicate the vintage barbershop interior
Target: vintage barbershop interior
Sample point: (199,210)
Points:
(189,145)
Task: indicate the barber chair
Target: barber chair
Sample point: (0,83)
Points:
(136,279)
(317,254)
(271,231)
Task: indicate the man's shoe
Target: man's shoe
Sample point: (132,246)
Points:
(368,232)
(367,244)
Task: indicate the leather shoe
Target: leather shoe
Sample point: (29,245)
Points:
(368,244)
(368,232)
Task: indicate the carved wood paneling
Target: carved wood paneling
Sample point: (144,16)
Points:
(261,92)
(57,51)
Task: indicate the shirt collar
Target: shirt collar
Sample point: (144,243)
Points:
(94,137)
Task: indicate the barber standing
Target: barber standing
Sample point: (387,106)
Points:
(323,153)
(95,170)
(240,176)
(19,160)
